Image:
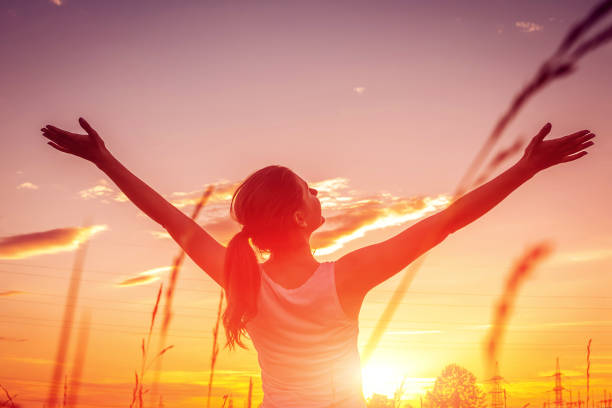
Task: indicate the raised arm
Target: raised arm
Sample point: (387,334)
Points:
(361,270)
(205,251)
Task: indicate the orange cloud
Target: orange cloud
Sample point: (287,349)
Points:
(369,214)
(160,234)
(12,293)
(143,278)
(46,242)
(222,192)
(28,186)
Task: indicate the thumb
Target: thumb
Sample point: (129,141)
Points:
(87,127)
(543,132)
(91,131)
(537,139)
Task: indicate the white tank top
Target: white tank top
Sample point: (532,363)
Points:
(306,345)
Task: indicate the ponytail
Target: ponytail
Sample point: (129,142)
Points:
(263,204)
(242,280)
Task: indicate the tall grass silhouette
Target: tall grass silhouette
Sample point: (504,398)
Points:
(79,360)
(9,398)
(215,349)
(562,63)
(139,391)
(66,328)
(250,394)
(502,311)
(176,266)
(588,371)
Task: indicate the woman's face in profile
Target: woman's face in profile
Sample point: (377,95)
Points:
(311,207)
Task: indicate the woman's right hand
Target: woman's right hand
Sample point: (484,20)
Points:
(541,154)
(89,146)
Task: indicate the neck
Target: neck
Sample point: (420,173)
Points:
(301,254)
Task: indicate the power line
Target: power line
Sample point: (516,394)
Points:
(20,320)
(449,305)
(376,290)
(403,342)
(202,315)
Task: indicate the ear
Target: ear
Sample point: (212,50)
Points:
(300,219)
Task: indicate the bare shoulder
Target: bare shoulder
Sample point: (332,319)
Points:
(349,296)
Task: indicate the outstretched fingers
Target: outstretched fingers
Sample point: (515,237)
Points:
(53,136)
(573,157)
(578,134)
(58,147)
(579,143)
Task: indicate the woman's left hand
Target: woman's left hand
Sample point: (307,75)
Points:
(541,154)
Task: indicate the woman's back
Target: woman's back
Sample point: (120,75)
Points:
(307,346)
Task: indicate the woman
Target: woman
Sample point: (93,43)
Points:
(302,315)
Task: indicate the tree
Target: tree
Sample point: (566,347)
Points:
(379,401)
(455,387)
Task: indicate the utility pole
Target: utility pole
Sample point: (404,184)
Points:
(498,395)
(558,388)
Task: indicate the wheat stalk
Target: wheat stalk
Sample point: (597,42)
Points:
(215,349)
(521,271)
(67,321)
(178,261)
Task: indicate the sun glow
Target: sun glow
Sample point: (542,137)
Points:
(381,378)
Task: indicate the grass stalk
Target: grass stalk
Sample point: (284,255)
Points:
(215,349)
(66,329)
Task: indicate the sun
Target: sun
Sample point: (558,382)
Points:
(380,378)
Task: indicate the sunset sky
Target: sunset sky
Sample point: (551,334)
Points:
(381,106)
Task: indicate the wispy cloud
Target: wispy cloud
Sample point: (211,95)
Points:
(588,255)
(528,26)
(13,339)
(359,89)
(12,293)
(146,277)
(412,332)
(349,213)
(101,189)
(27,186)
(31,360)
(222,192)
(46,242)
(104,191)
(56,2)
(552,326)
(160,234)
